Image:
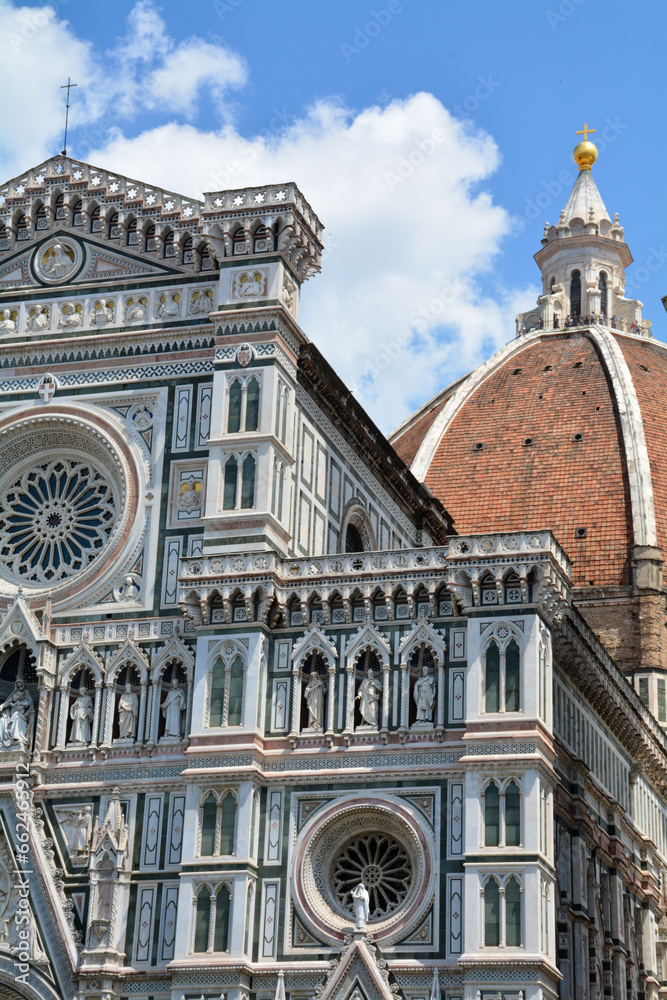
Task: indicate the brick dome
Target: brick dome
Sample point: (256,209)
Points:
(564,430)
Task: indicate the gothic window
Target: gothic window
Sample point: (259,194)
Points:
(492,815)
(231,477)
(513,589)
(248,484)
(202,919)
(575,293)
(169,247)
(41,221)
(187,250)
(252,405)
(513,913)
(502,913)
(226,689)
(236,692)
(222,910)
(239,242)
(208,825)
(218,824)
(604,294)
(512,670)
(262,241)
(114,226)
(59,208)
(4,237)
(512,815)
(205,260)
(488,590)
(217,694)
(151,238)
(491,914)
(502,674)
(239,490)
(243,406)
(95,220)
(22,230)
(492,678)
(353,542)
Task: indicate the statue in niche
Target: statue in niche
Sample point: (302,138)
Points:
(70,316)
(172,708)
(81,713)
(314,695)
(361,906)
(136,310)
(368,697)
(77,826)
(103,315)
(17,715)
(168,306)
(7,324)
(128,710)
(424,695)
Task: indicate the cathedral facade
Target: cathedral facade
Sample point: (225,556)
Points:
(291,711)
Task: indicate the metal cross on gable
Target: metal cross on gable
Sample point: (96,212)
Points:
(67,86)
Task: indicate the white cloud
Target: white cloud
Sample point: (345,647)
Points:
(398,309)
(411,234)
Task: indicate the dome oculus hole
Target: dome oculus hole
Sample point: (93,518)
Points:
(578,437)
(580,532)
(527,442)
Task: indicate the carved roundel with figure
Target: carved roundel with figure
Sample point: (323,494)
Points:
(57,261)
(378,841)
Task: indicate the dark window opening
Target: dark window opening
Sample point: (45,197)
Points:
(353,542)
(575,294)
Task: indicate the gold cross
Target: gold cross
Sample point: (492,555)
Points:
(585,131)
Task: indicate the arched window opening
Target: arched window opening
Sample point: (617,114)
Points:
(151,238)
(205,259)
(252,405)
(604,294)
(512,815)
(187,250)
(22,230)
(216,713)
(222,910)
(59,208)
(513,589)
(96,220)
(353,540)
(231,476)
(132,235)
(489,591)
(41,221)
(208,826)
(491,816)
(492,678)
(169,246)
(4,237)
(235,406)
(234,717)
(227,824)
(513,913)
(491,914)
(114,226)
(575,293)
(202,920)
(261,244)
(248,483)
(239,241)
(77,213)
(512,679)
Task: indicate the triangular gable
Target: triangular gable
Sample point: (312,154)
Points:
(174,648)
(19,624)
(82,656)
(357,975)
(105,264)
(128,651)
(368,635)
(424,632)
(314,640)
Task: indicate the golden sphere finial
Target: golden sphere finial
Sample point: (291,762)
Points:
(585,153)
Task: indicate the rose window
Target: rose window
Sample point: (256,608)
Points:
(56,517)
(384,867)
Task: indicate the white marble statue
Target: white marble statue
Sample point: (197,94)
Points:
(77,824)
(368,697)
(69,316)
(128,710)
(19,711)
(58,262)
(7,324)
(172,708)
(314,695)
(136,312)
(38,320)
(424,695)
(81,713)
(170,307)
(103,315)
(361,906)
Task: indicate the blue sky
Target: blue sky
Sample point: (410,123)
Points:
(426,268)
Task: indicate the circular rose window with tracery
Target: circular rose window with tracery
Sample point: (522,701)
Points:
(384,867)
(56,517)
